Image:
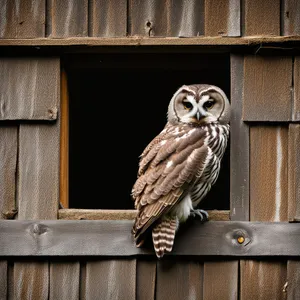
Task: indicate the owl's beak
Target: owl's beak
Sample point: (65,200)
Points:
(198,115)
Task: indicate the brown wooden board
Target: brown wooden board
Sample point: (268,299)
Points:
(263,280)
(268,173)
(294,173)
(3,279)
(222,18)
(145,279)
(64,280)
(290,15)
(293,280)
(267,88)
(108,18)
(29,88)
(67,18)
(179,280)
(261,17)
(220,280)
(38,174)
(22,19)
(94,238)
(110,279)
(239,147)
(160,18)
(296,81)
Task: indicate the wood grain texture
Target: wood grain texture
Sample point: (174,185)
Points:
(8,168)
(262,17)
(67,18)
(179,280)
(239,145)
(296,81)
(268,173)
(267,88)
(222,18)
(172,18)
(38,176)
(64,280)
(220,280)
(3,279)
(29,88)
(262,280)
(22,19)
(111,279)
(108,18)
(103,238)
(106,214)
(145,279)
(293,280)
(294,173)
(31,280)
(64,143)
(291,17)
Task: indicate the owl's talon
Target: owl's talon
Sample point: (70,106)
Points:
(200,213)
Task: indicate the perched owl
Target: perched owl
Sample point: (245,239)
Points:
(180,165)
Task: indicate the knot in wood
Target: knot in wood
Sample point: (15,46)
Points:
(38,229)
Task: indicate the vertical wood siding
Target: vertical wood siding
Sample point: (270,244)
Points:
(296,82)
(293,280)
(29,88)
(145,279)
(267,88)
(67,18)
(261,17)
(108,18)
(22,19)
(290,15)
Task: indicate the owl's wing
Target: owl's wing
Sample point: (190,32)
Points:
(171,162)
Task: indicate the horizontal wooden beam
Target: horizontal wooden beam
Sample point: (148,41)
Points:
(157,41)
(129,214)
(113,238)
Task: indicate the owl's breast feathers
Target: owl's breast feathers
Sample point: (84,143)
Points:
(173,163)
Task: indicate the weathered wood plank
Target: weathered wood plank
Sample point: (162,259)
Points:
(29,88)
(296,81)
(155,18)
(179,280)
(111,279)
(263,280)
(22,19)
(267,88)
(222,18)
(293,280)
(64,280)
(262,17)
(294,173)
(106,214)
(67,18)
(3,279)
(81,238)
(291,17)
(38,188)
(31,280)
(108,18)
(268,173)
(145,279)
(239,147)
(220,280)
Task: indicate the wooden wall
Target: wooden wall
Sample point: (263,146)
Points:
(265,160)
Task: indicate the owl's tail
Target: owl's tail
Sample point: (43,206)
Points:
(163,235)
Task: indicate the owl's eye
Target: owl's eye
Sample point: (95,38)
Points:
(209,104)
(187,105)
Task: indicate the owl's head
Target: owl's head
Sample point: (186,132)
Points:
(199,104)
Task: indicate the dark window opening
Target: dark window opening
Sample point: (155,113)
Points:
(117,105)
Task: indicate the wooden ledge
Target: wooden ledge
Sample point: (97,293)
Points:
(114,238)
(153,41)
(101,214)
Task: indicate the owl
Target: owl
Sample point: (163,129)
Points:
(180,165)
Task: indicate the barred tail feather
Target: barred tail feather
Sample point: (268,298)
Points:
(163,235)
